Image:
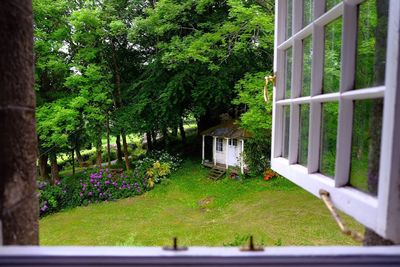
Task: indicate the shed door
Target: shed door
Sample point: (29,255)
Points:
(233,152)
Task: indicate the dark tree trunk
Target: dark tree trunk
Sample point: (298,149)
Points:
(372,238)
(174,132)
(149,142)
(182,131)
(55,176)
(154,137)
(79,157)
(43,167)
(126,154)
(98,149)
(165,137)
(19,210)
(108,142)
(73,161)
(119,149)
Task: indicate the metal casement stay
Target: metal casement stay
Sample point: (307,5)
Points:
(271,78)
(325,197)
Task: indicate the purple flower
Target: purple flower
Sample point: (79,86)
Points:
(90,193)
(109,176)
(81,194)
(107,182)
(98,183)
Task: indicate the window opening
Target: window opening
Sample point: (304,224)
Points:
(220,144)
(332,51)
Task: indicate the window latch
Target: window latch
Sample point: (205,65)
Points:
(175,246)
(268,79)
(343,228)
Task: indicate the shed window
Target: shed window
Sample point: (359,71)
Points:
(220,144)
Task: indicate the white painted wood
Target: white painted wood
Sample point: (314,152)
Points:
(226,153)
(360,206)
(368,93)
(314,134)
(202,150)
(389,173)
(381,213)
(331,15)
(343,144)
(297,16)
(242,157)
(359,94)
(348,52)
(319,8)
(193,254)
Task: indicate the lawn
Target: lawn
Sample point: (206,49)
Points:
(200,212)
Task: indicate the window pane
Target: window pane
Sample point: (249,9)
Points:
(286,122)
(371,43)
(366,142)
(303,137)
(289,18)
(331,3)
(329,126)
(332,48)
(307,12)
(307,60)
(288,72)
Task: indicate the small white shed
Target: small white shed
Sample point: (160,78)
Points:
(223,146)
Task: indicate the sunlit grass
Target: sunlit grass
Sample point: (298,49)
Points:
(200,212)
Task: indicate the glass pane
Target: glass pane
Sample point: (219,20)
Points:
(366,142)
(289,18)
(332,47)
(331,3)
(303,137)
(307,60)
(288,72)
(286,122)
(371,43)
(307,12)
(329,126)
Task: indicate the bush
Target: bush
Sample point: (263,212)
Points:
(105,185)
(96,185)
(256,155)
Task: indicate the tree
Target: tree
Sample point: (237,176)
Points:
(18,144)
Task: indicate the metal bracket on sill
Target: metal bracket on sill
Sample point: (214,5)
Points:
(251,246)
(175,246)
(343,228)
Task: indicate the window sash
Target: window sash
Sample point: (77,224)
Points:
(379,213)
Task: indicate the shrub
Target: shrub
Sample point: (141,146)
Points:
(105,185)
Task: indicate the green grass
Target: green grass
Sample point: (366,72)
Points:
(200,212)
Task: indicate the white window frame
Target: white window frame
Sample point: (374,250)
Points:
(380,213)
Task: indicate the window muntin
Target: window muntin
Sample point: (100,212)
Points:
(220,145)
(359,204)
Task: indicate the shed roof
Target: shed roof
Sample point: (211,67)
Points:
(229,129)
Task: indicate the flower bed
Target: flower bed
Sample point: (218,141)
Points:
(97,185)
